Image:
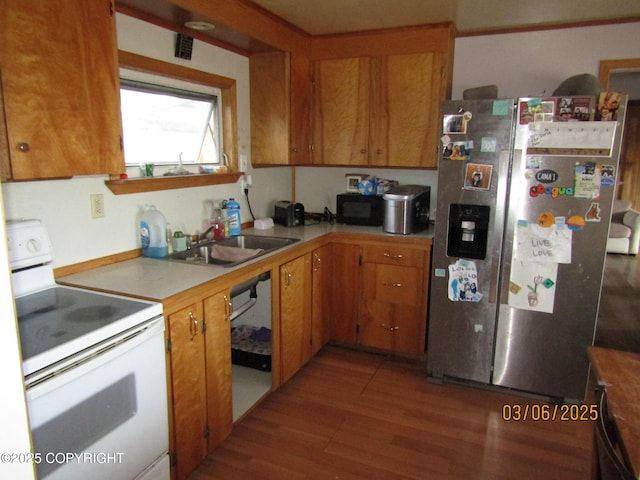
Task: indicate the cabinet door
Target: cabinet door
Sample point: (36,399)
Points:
(295,315)
(188,388)
(300,125)
(269,77)
(341,111)
(345,292)
(391,309)
(407,93)
(321,296)
(217,310)
(61,88)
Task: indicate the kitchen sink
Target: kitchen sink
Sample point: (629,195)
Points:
(231,251)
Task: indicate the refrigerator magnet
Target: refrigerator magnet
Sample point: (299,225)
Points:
(478,176)
(457,151)
(587,181)
(463,282)
(575,223)
(532,286)
(593,214)
(546,219)
(488,144)
(454,124)
(607,175)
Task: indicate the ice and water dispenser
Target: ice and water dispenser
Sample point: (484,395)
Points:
(468,230)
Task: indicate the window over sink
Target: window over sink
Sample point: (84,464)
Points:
(167,122)
(149,70)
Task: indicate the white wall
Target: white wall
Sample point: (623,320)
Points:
(535,63)
(64,207)
(317,187)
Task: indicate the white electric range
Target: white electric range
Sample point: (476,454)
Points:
(94,371)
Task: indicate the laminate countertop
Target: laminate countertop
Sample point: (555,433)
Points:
(619,373)
(158,279)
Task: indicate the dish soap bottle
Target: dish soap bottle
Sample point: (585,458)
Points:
(153,233)
(217,221)
(233,213)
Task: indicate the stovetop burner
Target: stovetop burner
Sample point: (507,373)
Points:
(57,322)
(55,316)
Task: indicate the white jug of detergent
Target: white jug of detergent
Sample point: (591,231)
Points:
(153,233)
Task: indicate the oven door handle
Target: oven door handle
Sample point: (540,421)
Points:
(67,370)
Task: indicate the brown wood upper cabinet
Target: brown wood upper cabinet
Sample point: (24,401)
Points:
(280,108)
(377,96)
(60,86)
(356,99)
(378,111)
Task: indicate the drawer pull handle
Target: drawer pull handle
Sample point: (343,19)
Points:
(390,328)
(287,278)
(396,285)
(391,255)
(228,307)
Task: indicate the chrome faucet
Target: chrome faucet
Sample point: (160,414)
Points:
(204,234)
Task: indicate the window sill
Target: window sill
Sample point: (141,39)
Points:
(153,184)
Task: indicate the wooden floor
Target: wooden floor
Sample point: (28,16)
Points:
(355,415)
(619,318)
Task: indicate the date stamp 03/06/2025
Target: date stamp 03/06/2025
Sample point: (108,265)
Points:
(515,412)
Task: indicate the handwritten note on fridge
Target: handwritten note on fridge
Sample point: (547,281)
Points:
(593,139)
(534,243)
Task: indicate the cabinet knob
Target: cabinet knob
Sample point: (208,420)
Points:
(379,151)
(393,284)
(363,151)
(391,255)
(391,328)
(24,147)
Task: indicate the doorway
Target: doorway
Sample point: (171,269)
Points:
(624,75)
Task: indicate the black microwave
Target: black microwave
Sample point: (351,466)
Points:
(357,209)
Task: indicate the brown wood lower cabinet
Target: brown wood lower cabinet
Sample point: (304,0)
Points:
(199,350)
(295,315)
(344,292)
(361,291)
(381,297)
(321,300)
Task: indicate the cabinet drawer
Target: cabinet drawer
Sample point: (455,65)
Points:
(395,284)
(398,329)
(393,255)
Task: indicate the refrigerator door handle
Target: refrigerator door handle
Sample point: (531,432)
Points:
(499,260)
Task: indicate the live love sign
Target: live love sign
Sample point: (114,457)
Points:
(547,176)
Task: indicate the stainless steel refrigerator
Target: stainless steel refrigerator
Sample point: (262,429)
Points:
(525,189)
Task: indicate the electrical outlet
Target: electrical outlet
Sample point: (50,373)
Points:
(97,205)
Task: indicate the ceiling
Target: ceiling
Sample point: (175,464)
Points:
(319,17)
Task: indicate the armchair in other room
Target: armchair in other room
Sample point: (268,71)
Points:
(624,233)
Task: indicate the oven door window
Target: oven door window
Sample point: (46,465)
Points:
(106,415)
(86,422)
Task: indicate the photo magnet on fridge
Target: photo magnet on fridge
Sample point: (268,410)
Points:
(478,176)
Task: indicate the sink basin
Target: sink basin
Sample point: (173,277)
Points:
(256,241)
(200,253)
